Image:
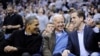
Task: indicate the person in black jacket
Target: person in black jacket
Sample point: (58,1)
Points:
(24,42)
(12,21)
(1,39)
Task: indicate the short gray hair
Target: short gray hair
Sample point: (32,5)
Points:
(29,19)
(56,15)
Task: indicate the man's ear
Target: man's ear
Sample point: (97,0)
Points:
(27,25)
(81,18)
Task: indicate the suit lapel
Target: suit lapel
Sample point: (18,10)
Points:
(76,39)
(85,35)
(53,41)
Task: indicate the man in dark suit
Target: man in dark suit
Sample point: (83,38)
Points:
(82,41)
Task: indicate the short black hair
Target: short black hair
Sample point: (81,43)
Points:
(80,13)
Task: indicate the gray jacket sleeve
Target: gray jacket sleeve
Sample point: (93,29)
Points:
(46,50)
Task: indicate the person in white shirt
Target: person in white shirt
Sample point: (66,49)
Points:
(82,41)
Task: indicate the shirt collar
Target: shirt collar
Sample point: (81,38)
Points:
(82,28)
(59,32)
(27,33)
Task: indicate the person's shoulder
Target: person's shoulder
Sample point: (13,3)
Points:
(17,15)
(98,14)
(17,31)
(88,27)
(37,36)
(6,16)
(69,32)
(49,35)
(66,30)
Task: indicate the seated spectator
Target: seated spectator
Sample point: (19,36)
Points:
(82,41)
(25,42)
(43,19)
(56,42)
(49,29)
(12,21)
(70,27)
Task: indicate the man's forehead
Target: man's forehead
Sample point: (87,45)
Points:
(58,18)
(74,14)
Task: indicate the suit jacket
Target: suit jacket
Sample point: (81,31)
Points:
(1,37)
(49,44)
(98,35)
(90,41)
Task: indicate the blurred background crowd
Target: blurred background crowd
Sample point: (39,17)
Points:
(44,10)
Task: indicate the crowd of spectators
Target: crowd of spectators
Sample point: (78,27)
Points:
(53,16)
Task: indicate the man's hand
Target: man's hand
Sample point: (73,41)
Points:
(4,28)
(9,26)
(99,44)
(10,49)
(65,53)
(89,21)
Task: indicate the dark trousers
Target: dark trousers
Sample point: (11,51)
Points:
(57,54)
(26,54)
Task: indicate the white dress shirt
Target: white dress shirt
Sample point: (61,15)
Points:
(83,51)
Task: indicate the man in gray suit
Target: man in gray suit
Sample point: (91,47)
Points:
(56,42)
